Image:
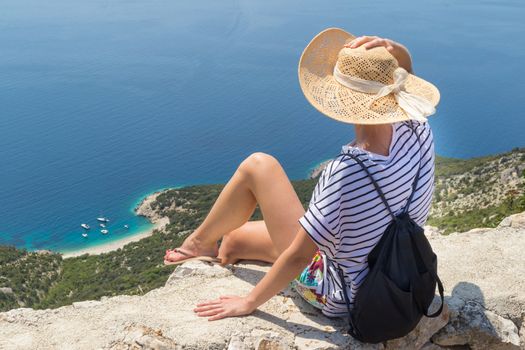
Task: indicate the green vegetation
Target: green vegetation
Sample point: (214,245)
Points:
(455,166)
(486,217)
(136,269)
(25,278)
(481,180)
(45,280)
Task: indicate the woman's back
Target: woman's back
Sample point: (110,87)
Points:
(346,216)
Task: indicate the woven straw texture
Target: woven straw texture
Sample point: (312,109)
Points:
(346,105)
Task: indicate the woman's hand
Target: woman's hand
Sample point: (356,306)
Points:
(287,266)
(225,306)
(396,49)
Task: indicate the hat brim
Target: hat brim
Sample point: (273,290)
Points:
(341,103)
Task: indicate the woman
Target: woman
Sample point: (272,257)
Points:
(362,81)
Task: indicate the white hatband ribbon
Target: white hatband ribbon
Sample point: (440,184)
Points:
(417,107)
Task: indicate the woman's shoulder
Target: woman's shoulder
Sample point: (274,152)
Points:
(347,162)
(410,133)
(340,167)
(414,125)
(407,127)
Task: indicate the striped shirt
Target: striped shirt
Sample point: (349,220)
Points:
(346,217)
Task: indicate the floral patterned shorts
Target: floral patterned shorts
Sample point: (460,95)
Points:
(308,282)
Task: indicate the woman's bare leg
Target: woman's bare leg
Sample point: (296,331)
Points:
(259,179)
(251,241)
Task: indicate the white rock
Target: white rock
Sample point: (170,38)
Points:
(487,268)
(6,290)
(478,230)
(270,343)
(198,268)
(314,340)
(86,304)
(515,221)
(508,175)
(142,337)
(479,329)
(432,231)
(236,343)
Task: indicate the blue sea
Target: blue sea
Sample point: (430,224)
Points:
(105,101)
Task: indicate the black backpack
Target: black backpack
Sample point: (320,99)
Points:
(401,281)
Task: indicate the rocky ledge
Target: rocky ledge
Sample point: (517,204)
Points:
(483,273)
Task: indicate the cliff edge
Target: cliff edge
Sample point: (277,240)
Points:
(483,273)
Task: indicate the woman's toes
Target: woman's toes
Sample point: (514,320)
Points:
(173,256)
(168,251)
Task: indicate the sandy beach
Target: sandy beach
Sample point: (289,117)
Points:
(142,209)
(114,245)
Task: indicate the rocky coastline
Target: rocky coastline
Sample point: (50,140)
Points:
(318,169)
(145,208)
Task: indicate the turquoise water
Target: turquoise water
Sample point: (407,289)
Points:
(105,101)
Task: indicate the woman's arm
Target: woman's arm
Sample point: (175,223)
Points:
(287,266)
(397,50)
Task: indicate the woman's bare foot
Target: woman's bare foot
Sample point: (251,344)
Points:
(228,251)
(193,246)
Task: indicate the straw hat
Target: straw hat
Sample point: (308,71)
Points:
(361,86)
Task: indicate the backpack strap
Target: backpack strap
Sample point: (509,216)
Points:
(416,178)
(441,291)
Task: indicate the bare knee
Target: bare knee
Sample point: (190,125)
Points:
(258,163)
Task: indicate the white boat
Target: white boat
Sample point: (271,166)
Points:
(103,219)
(104,232)
(126,226)
(102,225)
(84,235)
(85,226)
